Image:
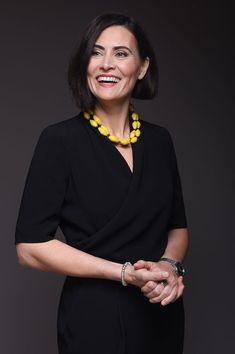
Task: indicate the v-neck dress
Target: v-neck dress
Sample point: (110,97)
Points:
(79,181)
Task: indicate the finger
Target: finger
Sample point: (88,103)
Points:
(143,264)
(172,280)
(180,280)
(171,298)
(180,289)
(157,276)
(145,275)
(140,264)
(166,291)
(176,292)
(149,286)
(155,292)
(149,264)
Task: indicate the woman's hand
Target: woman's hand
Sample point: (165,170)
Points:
(141,276)
(166,291)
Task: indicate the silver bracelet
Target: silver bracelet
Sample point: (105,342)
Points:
(124,283)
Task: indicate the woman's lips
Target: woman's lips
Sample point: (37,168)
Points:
(107,80)
(107,84)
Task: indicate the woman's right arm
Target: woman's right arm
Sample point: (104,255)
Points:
(56,256)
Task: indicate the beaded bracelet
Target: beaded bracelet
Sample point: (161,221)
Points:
(124,283)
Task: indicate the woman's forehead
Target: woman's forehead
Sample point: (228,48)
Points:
(116,36)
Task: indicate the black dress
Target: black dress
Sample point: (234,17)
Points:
(79,181)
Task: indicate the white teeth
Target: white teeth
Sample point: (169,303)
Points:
(108,79)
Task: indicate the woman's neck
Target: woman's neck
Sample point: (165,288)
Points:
(114,117)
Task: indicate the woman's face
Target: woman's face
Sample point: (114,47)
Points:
(115,65)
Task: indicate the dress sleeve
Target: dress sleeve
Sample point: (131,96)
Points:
(44,190)
(178,216)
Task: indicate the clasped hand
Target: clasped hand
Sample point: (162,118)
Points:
(158,281)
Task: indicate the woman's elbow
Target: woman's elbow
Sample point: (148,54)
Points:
(24,256)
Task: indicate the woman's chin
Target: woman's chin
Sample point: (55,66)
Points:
(114,99)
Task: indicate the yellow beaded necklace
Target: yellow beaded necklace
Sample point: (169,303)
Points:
(133,136)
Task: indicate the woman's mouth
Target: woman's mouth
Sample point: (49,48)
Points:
(107,80)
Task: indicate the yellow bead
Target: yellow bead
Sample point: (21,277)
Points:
(103,130)
(134,125)
(113,138)
(138,124)
(93,123)
(97,119)
(132,134)
(125,141)
(134,139)
(137,133)
(135,116)
(86,115)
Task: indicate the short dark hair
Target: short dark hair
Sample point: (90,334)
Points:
(77,74)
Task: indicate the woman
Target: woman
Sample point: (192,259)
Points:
(110,181)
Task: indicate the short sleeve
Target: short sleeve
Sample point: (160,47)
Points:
(178,216)
(44,190)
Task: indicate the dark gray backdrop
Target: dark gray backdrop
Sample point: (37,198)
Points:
(193,43)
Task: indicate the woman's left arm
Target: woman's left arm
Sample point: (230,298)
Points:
(172,289)
(177,244)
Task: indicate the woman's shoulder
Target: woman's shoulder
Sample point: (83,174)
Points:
(154,130)
(64,130)
(61,127)
(58,136)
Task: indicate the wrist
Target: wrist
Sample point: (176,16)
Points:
(168,267)
(177,266)
(128,274)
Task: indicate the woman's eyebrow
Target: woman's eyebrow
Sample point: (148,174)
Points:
(115,47)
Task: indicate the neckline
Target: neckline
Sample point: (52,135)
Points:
(134,146)
(122,158)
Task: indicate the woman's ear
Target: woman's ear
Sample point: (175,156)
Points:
(144,68)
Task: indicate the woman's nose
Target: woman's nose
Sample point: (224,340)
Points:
(108,62)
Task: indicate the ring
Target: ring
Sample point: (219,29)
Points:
(164,283)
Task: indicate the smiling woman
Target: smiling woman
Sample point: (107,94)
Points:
(137,45)
(113,70)
(115,63)
(110,181)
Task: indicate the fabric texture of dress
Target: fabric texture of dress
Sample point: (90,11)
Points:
(79,181)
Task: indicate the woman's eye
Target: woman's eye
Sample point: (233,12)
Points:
(122,54)
(95,53)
